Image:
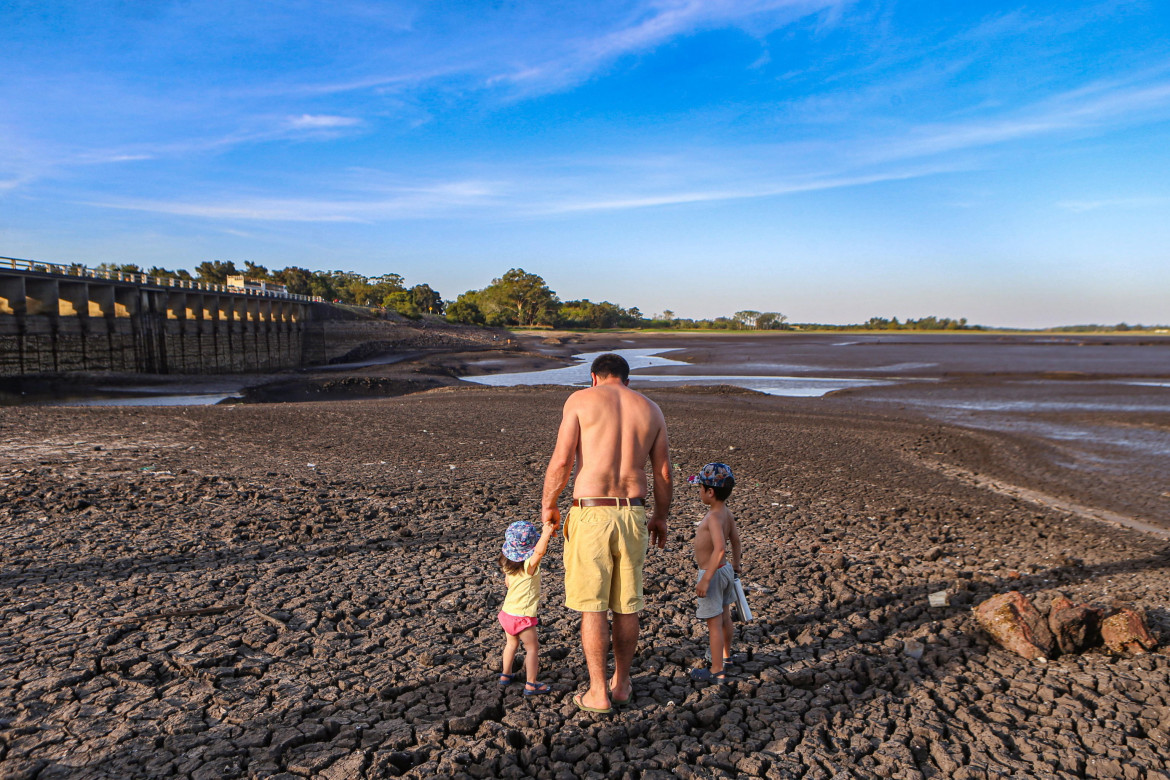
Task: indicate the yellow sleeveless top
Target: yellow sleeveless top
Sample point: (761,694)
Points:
(523,593)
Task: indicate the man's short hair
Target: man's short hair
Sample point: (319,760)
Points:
(610,364)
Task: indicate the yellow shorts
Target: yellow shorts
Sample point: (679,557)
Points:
(605,548)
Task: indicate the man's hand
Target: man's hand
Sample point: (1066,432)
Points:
(551,517)
(701,589)
(657,528)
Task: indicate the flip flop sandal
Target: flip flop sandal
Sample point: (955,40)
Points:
(505,680)
(536,688)
(583,708)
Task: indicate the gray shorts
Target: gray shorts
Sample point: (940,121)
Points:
(720,592)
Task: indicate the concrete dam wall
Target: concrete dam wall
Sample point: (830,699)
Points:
(54,322)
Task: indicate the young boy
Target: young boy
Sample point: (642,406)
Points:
(716,585)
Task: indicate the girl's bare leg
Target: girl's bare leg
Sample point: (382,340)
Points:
(510,645)
(531,654)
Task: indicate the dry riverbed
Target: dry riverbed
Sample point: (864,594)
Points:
(309,590)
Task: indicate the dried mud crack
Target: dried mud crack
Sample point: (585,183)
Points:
(309,590)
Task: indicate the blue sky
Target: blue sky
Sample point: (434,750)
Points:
(831,160)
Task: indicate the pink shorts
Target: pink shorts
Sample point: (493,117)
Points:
(514,624)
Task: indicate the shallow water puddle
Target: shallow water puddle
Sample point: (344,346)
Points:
(578,376)
(199,399)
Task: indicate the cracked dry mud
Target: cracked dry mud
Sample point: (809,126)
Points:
(309,590)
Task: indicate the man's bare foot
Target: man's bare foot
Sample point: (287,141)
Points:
(615,692)
(592,702)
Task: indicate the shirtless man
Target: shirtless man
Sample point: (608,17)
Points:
(608,431)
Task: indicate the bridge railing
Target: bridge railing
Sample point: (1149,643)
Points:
(77,270)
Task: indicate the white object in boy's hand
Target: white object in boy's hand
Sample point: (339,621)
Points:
(745,612)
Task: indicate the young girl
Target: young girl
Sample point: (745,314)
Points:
(524,546)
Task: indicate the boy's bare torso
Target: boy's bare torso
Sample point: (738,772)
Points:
(716,521)
(618,428)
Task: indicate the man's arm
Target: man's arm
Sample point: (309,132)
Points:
(663,486)
(560,466)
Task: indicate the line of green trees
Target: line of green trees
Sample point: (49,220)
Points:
(926,323)
(523,299)
(515,299)
(1121,326)
(386,291)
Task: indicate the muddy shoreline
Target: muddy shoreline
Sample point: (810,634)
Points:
(308,590)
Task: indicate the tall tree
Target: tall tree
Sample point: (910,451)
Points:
(216,271)
(402,302)
(426,299)
(254,271)
(771,320)
(521,298)
(164,273)
(746,318)
(466,310)
(383,286)
(299,281)
(122,268)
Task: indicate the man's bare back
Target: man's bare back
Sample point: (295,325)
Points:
(618,428)
(608,432)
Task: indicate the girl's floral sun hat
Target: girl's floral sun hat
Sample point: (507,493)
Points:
(520,540)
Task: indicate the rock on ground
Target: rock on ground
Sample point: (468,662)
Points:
(1016,625)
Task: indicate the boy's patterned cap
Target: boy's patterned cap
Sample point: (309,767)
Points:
(520,540)
(712,475)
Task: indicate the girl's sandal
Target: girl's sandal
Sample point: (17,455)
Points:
(505,680)
(536,688)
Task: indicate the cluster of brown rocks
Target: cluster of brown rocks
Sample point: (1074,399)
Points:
(1015,623)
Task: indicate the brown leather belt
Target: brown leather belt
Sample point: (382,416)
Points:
(609,502)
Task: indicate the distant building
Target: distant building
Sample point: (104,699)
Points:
(256,285)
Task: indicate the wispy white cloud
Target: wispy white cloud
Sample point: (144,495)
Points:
(1003,25)
(321,122)
(650,26)
(762,189)
(915,152)
(406,202)
(1082,206)
(856,153)
(533,187)
(109,157)
(319,127)
(542,49)
(1088,109)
